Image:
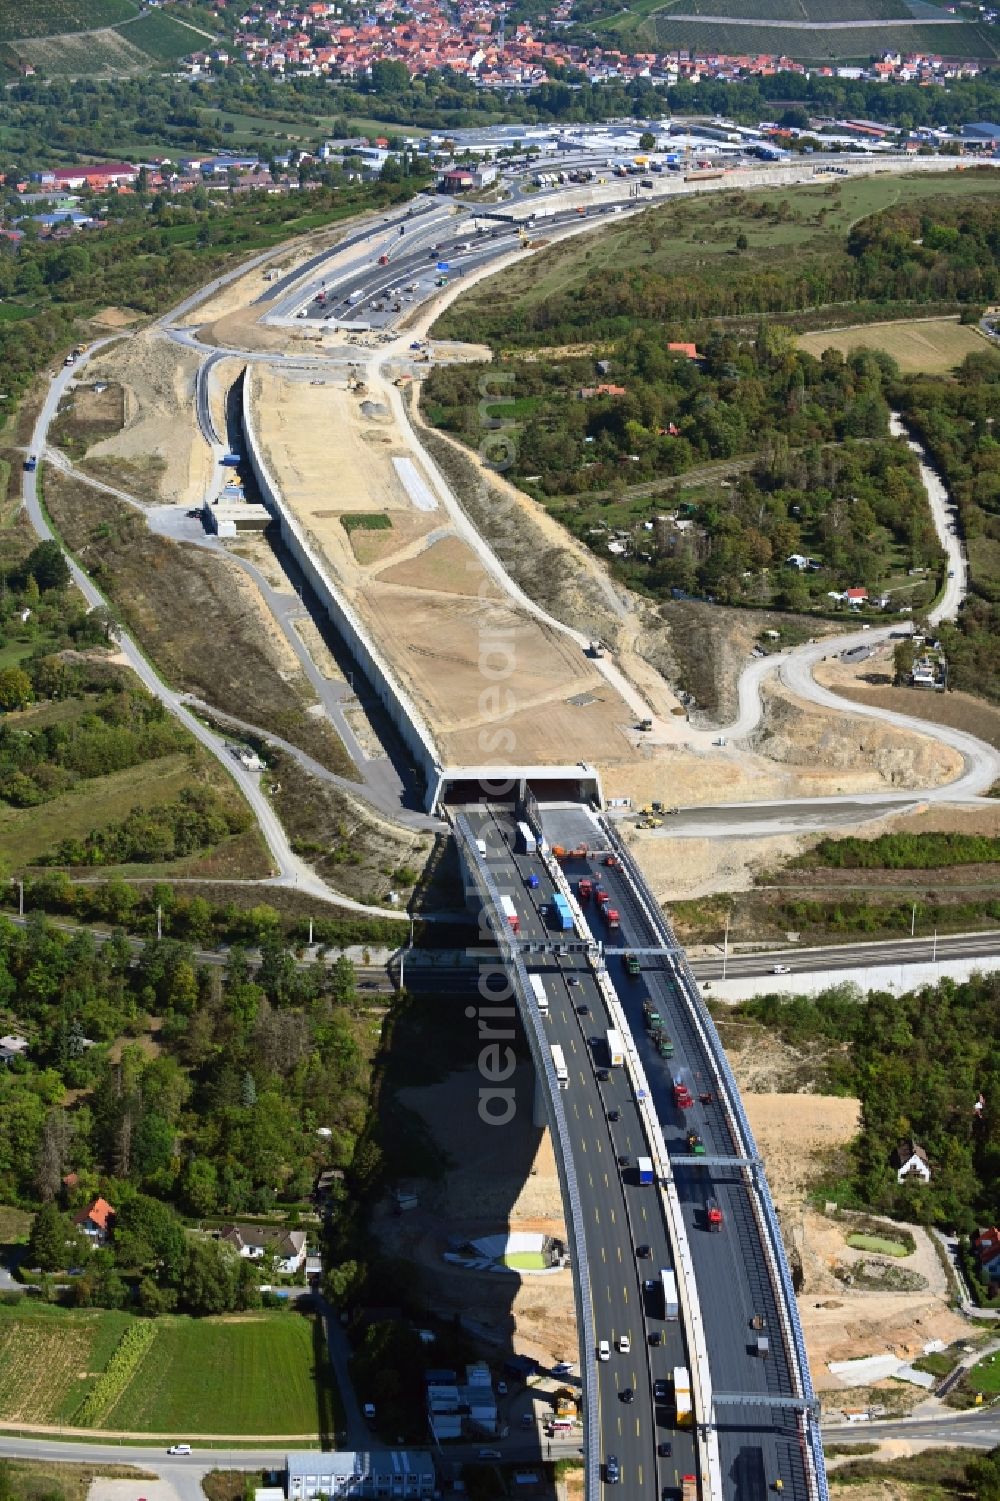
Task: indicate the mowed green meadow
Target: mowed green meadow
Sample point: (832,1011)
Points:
(265,1374)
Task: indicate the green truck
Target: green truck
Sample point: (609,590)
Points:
(632,966)
(695,1144)
(664,1046)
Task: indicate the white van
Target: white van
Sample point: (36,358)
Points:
(603,1350)
(179,1449)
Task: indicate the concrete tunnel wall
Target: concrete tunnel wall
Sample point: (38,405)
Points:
(413,732)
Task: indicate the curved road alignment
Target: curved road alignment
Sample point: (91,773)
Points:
(291,870)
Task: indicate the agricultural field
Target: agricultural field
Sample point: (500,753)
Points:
(793,10)
(53,17)
(920,346)
(162,36)
(52,1359)
(270,1384)
(49,1359)
(86,53)
(820,45)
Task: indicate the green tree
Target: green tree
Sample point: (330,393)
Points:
(647,141)
(16,691)
(48,1239)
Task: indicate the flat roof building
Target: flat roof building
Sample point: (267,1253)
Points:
(384,1472)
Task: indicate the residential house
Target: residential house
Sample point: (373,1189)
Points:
(856,597)
(254,1242)
(986,1249)
(606,388)
(910,1161)
(12,1047)
(96,1221)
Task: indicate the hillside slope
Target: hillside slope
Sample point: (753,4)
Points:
(808,30)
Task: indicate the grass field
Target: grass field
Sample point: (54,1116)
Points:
(985,1377)
(48,1480)
(51,17)
(694,230)
(877,1243)
(251,1373)
(920,346)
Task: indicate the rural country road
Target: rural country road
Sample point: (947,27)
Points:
(291,870)
(945,514)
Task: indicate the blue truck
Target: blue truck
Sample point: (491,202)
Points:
(562,917)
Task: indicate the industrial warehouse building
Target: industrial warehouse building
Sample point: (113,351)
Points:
(385,1472)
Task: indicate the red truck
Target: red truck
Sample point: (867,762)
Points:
(585,888)
(713,1215)
(507,908)
(611,913)
(600,896)
(682,1094)
(383,260)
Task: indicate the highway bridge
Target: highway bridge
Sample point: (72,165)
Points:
(756,1424)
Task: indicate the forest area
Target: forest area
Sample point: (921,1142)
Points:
(696,448)
(217,1118)
(925,1065)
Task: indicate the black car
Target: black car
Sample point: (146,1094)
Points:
(626,1394)
(623,1160)
(665,1450)
(604,1074)
(611,1472)
(583,1010)
(656,1338)
(614,1115)
(642,1252)
(660,1389)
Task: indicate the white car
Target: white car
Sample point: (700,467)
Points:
(603,1350)
(624,1343)
(781,969)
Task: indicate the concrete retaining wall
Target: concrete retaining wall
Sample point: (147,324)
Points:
(894,977)
(403,713)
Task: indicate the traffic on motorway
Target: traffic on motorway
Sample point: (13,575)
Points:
(639,1347)
(627,1243)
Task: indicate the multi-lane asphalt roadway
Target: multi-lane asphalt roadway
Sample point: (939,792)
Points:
(444,242)
(619,1216)
(985,946)
(757,1445)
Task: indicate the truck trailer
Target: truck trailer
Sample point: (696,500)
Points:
(682,1396)
(507,908)
(538,991)
(616,1049)
(562,917)
(682,1091)
(645,1166)
(526,841)
(668,1279)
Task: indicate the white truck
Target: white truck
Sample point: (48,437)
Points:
(616,1049)
(538,990)
(669,1281)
